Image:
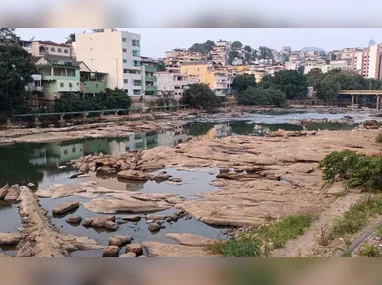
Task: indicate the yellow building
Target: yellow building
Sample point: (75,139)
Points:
(201,69)
(245,69)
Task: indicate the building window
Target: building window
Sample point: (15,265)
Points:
(133,71)
(135,43)
(59,50)
(136,53)
(70,85)
(65,151)
(125,71)
(59,71)
(137,83)
(52,49)
(71,72)
(137,92)
(125,61)
(124,50)
(136,63)
(65,51)
(125,81)
(61,84)
(124,39)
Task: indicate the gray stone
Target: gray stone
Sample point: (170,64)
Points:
(125,239)
(121,222)
(179,213)
(65,207)
(13,193)
(224,170)
(111,226)
(113,241)
(153,227)
(111,251)
(155,217)
(178,180)
(131,218)
(135,248)
(87,221)
(74,219)
(99,222)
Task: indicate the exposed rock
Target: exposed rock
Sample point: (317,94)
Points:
(65,207)
(133,175)
(127,205)
(177,180)
(125,239)
(40,238)
(74,219)
(224,170)
(10,239)
(75,175)
(87,221)
(179,213)
(13,193)
(84,168)
(2,254)
(111,251)
(135,248)
(30,185)
(99,222)
(371,124)
(4,191)
(106,170)
(190,239)
(121,222)
(129,254)
(154,227)
(111,226)
(172,250)
(131,218)
(149,221)
(155,217)
(114,241)
(124,166)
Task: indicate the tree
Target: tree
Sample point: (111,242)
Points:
(116,99)
(236,45)
(71,38)
(261,97)
(231,56)
(276,97)
(161,66)
(204,48)
(333,56)
(248,48)
(16,71)
(199,95)
(328,88)
(209,57)
(266,82)
(242,81)
(314,77)
(290,82)
(9,35)
(265,53)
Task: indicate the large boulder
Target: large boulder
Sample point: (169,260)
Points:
(111,251)
(129,254)
(99,222)
(133,175)
(154,227)
(131,218)
(371,124)
(65,207)
(13,193)
(111,226)
(4,192)
(74,219)
(10,239)
(119,240)
(135,248)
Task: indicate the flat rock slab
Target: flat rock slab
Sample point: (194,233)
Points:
(107,206)
(4,192)
(65,207)
(157,249)
(131,218)
(10,239)
(13,193)
(129,254)
(190,239)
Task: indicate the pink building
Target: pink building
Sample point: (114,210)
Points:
(368,62)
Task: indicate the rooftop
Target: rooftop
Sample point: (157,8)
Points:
(196,63)
(52,43)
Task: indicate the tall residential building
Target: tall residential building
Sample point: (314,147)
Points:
(115,52)
(368,62)
(176,57)
(220,52)
(149,80)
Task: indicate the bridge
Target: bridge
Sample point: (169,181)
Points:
(356,93)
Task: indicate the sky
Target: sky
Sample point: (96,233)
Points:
(155,41)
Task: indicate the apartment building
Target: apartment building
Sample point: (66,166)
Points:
(173,83)
(115,52)
(48,48)
(368,62)
(220,52)
(149,80)
(334,64)
(176,57)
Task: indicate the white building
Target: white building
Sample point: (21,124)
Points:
(368,62)
(334,64)
(174,83)
(41,48)
(117,53)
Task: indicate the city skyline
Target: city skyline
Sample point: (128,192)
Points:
(155,42)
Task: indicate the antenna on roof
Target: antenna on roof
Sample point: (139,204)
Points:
(31,39)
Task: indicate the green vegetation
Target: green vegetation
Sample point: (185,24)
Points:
(369,250)
(15,73)
(314,77)
(204,48)
(71,38)
(111,99)
(200,95)
(236,45)
(269,237)
(243,81)
(161,66)
(378,231)
(357,216)
(265,53)
(261,97)
(356,170)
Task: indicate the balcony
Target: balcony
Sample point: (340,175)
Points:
(150,88)
(151,78)
(150,68)
(34,88)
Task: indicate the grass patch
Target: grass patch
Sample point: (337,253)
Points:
(369,250)
(324,236)
(357,216)
(264,237)
(378,231)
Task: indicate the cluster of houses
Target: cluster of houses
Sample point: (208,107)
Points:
(110,58)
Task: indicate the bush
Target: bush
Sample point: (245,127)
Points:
(200,96)
(261,97)
(338,164)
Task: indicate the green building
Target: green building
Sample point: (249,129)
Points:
(148,69)
(92,82)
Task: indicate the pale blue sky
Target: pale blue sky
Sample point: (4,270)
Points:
(156,41)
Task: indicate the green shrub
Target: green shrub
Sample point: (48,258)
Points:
(236,248)
(367,174)
(369,250)
(378,231)
(338,164)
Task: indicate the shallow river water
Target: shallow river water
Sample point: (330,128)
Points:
(40,164)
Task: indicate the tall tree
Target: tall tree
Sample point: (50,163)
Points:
(328,88)
(16,70)
(242,82)
(314,77)
(71,38)
(9,35)
(204,48)
(199,95)
(248,48)
(265,53)
(231,56)
(161,66)
(236,45)
(333,56)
